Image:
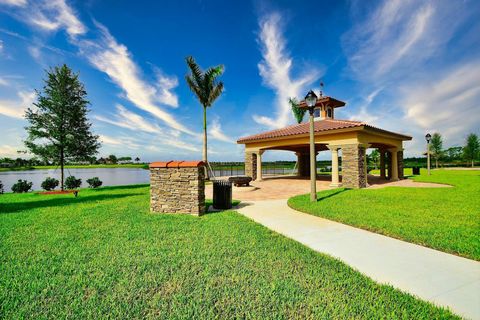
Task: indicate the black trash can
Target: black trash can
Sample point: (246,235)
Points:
(222,194)
(416,170)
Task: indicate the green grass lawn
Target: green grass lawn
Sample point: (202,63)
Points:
(104,255)
(447,219)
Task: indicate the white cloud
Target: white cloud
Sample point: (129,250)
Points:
(115,60)
(275,69)
(449,102)
(130,120)
(48,15)
(1,46)
(120,142)
(215,131)
(16,108)
(398,36)
(9,151)
(3,82)
(399,49)
(35,52)
(16,3)
(53,15)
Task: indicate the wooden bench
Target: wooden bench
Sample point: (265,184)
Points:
(240,181)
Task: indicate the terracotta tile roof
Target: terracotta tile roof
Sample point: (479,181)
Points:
(176,164)
(304,128)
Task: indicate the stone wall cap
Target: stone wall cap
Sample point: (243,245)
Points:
(177,164)
(191,164)
(159,164)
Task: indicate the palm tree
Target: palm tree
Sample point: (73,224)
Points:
(298,112)
(207,89)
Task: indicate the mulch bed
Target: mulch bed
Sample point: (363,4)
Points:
(59,192)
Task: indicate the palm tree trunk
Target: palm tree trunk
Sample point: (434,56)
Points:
(205,159)
(205,135)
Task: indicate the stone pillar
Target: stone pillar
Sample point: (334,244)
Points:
(259,165)
(389,164)
(365,167)
(353,166)
(382,164)
(394,164)
(303,164)
(251,164)
(177,187)
(335,178)
(400,164)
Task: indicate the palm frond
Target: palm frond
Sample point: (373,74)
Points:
(215,93)
(195,70)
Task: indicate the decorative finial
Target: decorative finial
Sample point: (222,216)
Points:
(321,88)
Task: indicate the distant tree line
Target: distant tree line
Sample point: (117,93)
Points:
(467,154)
(32,162)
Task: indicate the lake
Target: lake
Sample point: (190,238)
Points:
(109,176)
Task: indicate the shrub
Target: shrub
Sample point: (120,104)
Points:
(22,186)
(94,182)
(1,187)
(73,183)
(49,184)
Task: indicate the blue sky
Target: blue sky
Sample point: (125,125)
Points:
(406,66)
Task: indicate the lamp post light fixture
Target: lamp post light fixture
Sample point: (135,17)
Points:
(311,101)
(428,137)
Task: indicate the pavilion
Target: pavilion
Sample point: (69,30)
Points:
(353,138)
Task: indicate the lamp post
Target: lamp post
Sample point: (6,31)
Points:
(311,101)
(428,137)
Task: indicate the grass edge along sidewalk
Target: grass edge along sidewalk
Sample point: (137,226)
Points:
(446,219)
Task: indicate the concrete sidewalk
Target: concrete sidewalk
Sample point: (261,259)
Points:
(438,277)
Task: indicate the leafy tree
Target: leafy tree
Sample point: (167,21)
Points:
(298,112)
(59,128)
(112,158)
(471,151)
(374,158)
(125,159)
(436,145)
(137,159)
(454,153)
(206,88)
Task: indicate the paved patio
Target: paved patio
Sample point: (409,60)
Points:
(438,277)
(284,187)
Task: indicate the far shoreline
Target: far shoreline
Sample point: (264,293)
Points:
(86,166)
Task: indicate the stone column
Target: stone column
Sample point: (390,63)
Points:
(353,166)
(382,163)
(259,165)
(400,164)
(335,178)
(177,187)
(251,164)
(303,164)
(394,164)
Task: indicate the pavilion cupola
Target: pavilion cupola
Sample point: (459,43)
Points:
(325,107)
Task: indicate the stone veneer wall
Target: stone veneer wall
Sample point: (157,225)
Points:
(177,187)
(303,164)
(353,170)
(400,164)
(251,165)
